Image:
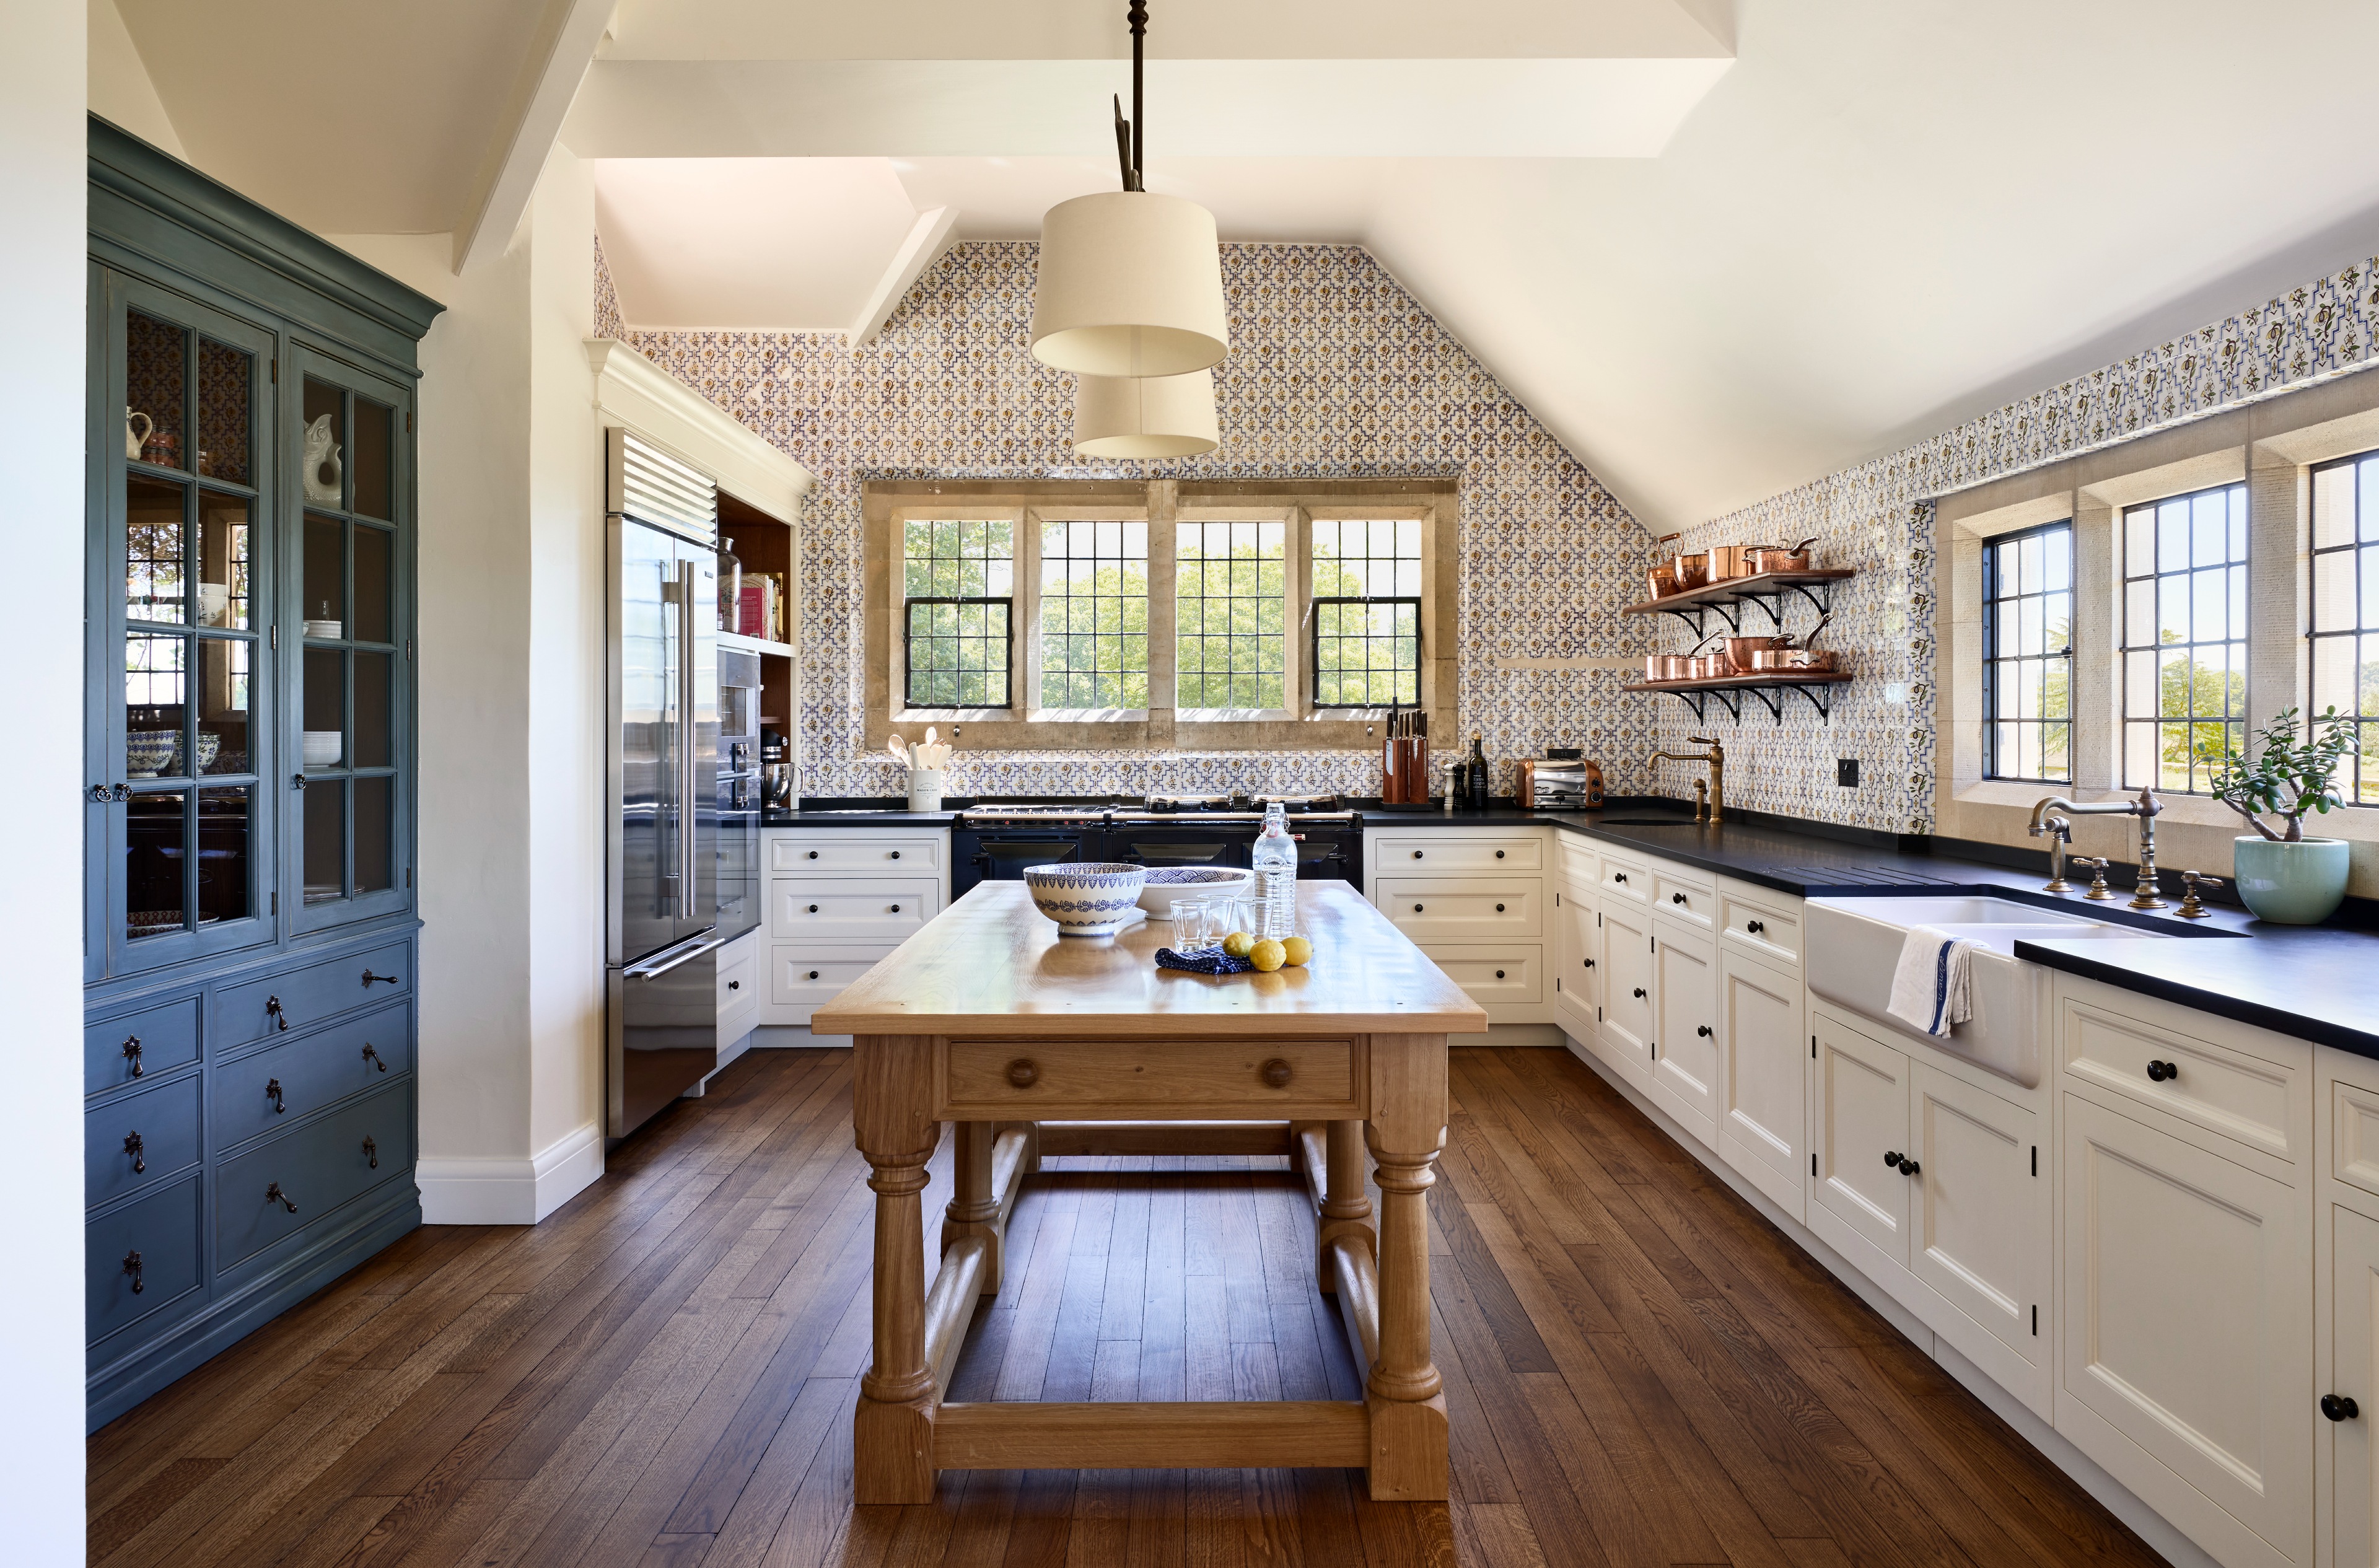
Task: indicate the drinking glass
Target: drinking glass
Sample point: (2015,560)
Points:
(1193,925)
(1235,914)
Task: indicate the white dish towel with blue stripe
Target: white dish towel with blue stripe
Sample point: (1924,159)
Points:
(1932,988)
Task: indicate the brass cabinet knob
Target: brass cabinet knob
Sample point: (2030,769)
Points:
(1022,1073)
(1277,1073)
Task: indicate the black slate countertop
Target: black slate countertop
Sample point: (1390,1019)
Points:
(891,816)
(2317,982)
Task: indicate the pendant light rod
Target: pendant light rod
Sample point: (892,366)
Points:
(1131,134)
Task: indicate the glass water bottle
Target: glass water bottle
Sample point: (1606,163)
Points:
(1276,861)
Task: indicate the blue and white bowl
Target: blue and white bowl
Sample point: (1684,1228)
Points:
(1094,899)
(1167,883)
(145,752)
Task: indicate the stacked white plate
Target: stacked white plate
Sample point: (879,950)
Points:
(323,747)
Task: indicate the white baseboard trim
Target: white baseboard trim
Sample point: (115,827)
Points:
(2119,1500)
(509,1191)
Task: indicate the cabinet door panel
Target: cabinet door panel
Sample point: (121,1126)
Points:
(1577,962)
(1764,1082)
(2354,1355)
(1627,980)
(1862,1117)
(1979,1235)
(2188,1323)
(1686,1060)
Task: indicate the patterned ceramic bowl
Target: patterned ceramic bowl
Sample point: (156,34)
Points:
(1095,899)
(1167,883)
(145,752)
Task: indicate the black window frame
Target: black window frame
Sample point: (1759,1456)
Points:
(2363,767)
(1993,658)
(909,639)
(2238,680)
(1313,649)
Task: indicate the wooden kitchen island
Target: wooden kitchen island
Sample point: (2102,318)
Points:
(1031,1042)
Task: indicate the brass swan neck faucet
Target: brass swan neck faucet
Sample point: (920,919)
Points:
(2053,814)
(1716,760)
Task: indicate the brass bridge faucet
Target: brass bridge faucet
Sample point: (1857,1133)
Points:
(1716,759)
(2053,814)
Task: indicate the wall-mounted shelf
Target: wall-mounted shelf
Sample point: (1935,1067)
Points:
(754,645)
(1770,686)
(1768,590)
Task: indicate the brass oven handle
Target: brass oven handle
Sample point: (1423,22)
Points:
(1022,1073)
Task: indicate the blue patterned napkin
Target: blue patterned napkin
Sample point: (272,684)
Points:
(1202,960)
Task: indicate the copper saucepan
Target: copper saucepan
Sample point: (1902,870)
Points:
(1803,661)
(1742,651)
(1692,571)
(1661,580)
(1780,558)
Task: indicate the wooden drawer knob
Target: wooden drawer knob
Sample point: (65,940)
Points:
(1022,1073)
(1277,1073)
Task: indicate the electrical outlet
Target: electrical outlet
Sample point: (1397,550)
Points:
(1846,772)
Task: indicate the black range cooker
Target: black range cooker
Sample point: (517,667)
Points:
(995,841)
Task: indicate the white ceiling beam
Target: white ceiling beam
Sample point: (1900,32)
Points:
(928,237)
(541,97)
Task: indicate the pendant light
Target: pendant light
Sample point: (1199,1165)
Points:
(1145,417)
(1130,284)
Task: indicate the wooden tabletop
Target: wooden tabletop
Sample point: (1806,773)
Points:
(991,964)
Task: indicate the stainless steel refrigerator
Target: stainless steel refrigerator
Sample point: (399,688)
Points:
(674,822)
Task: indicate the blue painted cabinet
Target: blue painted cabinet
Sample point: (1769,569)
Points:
(248,908)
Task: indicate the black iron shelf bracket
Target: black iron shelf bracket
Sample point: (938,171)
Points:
(1771,601)
(1772,699)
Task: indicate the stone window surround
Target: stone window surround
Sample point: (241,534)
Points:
(2272,446)
(883,504)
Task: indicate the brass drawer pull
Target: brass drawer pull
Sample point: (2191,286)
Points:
(273,1194)
(1022,1073)
(133,1146)
(374,1057)
(1277,1073)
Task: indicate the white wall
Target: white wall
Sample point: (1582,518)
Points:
(121,89)
(511,669)
(42,88)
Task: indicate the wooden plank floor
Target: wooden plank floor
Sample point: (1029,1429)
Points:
(1640,1370)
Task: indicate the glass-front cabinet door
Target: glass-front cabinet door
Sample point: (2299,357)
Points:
(349,587)
(177,733)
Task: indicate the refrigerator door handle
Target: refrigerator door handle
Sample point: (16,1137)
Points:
(662,962)
(688,811)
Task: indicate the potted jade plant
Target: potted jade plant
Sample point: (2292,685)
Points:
(2281,875)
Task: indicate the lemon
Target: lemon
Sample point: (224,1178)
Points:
(1296,950)
(1238,943)
(1267,955)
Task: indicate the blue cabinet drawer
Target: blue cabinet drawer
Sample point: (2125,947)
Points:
(270,1089)
(139,1045)
(140,1257)
(299,998)
(282,1186)
(138,1140)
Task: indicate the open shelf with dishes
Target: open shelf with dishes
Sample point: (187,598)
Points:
(1769,590)
(760,614)
(1770,686)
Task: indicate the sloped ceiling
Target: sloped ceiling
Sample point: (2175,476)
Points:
(1719,249)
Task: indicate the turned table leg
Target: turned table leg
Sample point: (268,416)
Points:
(974,1206)
(892,1430)
(1404,1392)
(1346,1210)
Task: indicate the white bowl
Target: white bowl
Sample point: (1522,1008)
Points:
(327,630)
(1167,883)
(322,748)
(1092,900)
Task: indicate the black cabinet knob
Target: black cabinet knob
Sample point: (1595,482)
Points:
(1703,1030)
(1618,877)
(374,1057)
(814,974)
(1892,1158)
(1499,974)
(896,908)
(1755,927)
(272,1011)
(1588,963)
(133,1146)
(1416,854)
(896,854)
(2162,1072)
(735,986)
(1676,897)
(272,1092)
(2339,1407)
(1908,1167)
(1499,909)
(1639,991)
(813,854)
(1499,854)
(813,908)
(1416,909)
(132,1055)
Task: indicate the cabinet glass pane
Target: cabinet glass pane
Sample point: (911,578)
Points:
(324,704)
(154,588)
(224,542)
(319,462)
(225,376)
(373,441)
(155,834)
(375,553)
(223,730)
(373,742)
(326,822)
(155,354)
(226,842)
(325,604)
(155,668)
(375,834)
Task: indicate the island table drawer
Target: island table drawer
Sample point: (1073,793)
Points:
(1463,908)
(848,853)
(850,909)
(1459,853)
(1152,1080)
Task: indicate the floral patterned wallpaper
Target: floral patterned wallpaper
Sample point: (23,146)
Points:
(1335,371)
(1878,518)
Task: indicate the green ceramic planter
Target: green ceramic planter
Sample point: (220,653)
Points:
(2300,884)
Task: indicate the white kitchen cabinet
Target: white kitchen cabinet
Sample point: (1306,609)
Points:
(1577,963)
(1463,908)
(2353,1458)
(839,900)
(1684,1040)
(1627,987)
(1861,1133)
(1978,1230)
(2186,1350)
(1763,1079)
(1478,903)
